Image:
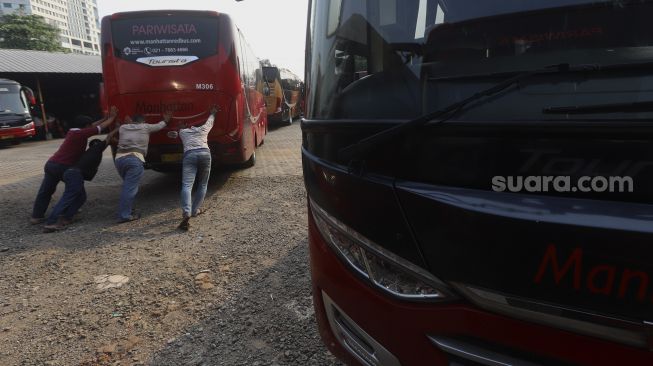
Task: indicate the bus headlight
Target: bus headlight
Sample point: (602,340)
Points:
(28,126)
(384,269)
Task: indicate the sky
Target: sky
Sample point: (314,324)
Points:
(275,29)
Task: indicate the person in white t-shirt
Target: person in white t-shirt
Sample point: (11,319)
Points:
(196,164)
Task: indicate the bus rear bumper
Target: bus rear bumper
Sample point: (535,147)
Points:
(362,326)
(170,157)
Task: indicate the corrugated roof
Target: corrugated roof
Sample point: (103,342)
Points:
(48,62)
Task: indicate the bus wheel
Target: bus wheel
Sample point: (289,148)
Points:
(252,160)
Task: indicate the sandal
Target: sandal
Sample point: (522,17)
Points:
(64,221)
(184,225)
(52,228)
(132,217)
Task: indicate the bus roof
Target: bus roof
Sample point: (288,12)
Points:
(156,13)
(8,82)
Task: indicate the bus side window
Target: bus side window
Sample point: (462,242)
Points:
(360,67)
(242,60)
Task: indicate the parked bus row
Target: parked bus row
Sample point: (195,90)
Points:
(286,94)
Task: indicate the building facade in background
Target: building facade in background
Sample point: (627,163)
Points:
(77,20)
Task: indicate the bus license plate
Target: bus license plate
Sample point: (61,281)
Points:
(171,158)
(6,137)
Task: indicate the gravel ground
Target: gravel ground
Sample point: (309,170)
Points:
(234,290)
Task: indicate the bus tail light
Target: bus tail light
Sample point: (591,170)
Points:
(383,269)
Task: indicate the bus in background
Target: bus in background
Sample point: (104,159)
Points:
(184,62)
(418,113)
(16,122)
(284,99)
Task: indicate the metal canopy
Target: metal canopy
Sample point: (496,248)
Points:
(24,61)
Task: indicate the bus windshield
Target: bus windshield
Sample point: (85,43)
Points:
(392,59)
(11,100)
(163,40)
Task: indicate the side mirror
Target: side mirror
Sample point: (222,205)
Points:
(30,95)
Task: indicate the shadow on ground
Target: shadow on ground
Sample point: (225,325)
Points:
(155,198)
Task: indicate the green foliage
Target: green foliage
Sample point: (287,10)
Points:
(28,32)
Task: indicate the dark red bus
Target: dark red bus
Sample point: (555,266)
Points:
(185,61)
(422,118)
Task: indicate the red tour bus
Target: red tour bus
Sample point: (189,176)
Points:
(417,113)
(185,61)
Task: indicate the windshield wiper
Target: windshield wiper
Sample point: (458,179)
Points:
(632,107)
(363,146)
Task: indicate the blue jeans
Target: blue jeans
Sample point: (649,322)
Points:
(197,163)
(73,197)
(131,170)
(53,175)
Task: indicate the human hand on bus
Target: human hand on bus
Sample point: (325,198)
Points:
(113,112)
(106,122)
(167,116)
(214,109)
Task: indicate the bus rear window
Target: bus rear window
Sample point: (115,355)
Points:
(165,41)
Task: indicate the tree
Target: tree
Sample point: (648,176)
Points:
(28,32)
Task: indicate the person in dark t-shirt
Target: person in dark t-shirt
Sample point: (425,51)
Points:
(74,195)
(66,156)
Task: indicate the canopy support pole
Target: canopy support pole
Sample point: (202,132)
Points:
(48,135)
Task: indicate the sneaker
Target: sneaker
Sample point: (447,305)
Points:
(36,220)
(198,212)
(185,224)
(132,217)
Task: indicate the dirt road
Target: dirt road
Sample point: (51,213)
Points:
(235,290)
